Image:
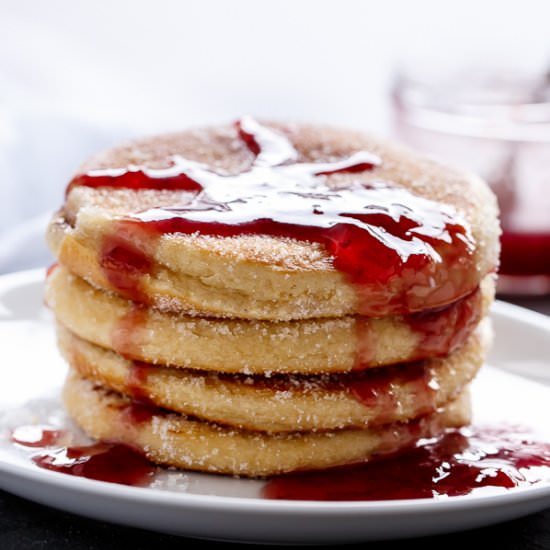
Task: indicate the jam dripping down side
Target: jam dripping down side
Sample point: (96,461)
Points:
(365,343)
(139,412)
(457,463)
(136,381)
(402,252)
(375,392)
(111,462)
(387,279)
(125,260)
(375,388)
(440,331)
(126,337)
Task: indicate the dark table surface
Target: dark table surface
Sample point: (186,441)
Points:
(24,524)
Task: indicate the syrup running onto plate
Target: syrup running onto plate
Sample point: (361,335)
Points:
(402,252)
(457,463)
(112,462)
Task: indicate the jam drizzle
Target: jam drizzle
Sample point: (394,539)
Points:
(402,252)
(111,462)
(103,461)
(457,463)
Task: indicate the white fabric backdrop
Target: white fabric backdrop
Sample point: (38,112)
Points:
(76,77)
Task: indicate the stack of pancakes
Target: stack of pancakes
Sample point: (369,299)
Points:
(252,354)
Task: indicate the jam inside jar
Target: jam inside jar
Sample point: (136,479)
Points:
(498,126)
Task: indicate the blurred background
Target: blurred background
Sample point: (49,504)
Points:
(77,77)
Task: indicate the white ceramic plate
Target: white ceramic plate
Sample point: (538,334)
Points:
(201,505)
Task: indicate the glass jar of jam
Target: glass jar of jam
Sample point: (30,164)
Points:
(497,124)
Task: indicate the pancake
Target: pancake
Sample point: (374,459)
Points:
(182,442)
(285,403)
(257,347)
(111,236)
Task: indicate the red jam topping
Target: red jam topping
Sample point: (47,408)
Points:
(402,252)
(457,463)
(112,462)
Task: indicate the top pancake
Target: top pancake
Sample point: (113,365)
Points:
(261,276)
